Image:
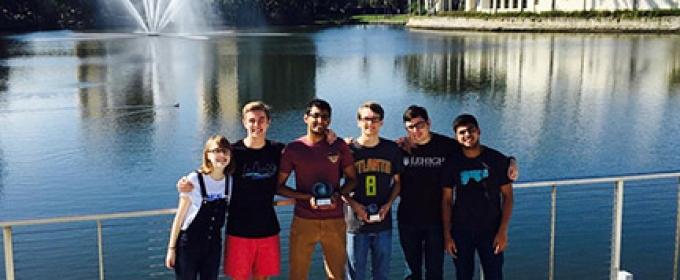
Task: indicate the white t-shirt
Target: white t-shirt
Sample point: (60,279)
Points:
(214,190)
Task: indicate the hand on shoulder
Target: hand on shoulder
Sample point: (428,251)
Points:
(405,143)
(184,185)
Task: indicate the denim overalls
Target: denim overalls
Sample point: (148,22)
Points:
(199,247)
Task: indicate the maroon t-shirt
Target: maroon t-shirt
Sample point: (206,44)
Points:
(316,162)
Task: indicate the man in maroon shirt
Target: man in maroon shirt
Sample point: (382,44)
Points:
(316,162)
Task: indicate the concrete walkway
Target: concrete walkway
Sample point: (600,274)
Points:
(608,25)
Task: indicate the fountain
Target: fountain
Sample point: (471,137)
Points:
(154,17)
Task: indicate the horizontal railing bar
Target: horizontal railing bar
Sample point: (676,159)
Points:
(597,180)
(84,218)
(285,201)
(135,214)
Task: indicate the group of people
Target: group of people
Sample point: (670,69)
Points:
(455,197)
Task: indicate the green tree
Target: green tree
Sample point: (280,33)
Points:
(18,15)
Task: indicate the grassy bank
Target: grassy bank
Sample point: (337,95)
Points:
(400,19)
(394,19)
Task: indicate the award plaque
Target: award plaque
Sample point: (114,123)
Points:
(373,212)
(322,193)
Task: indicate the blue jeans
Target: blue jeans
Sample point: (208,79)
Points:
(423,241)
(467,243)
(358,246)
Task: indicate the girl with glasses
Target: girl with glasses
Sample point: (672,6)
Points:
(195,245)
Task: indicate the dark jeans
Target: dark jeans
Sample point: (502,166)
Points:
(192,260)
(423,241)
(467,243)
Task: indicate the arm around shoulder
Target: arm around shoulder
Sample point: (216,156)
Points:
(184,185)
(283,190)
(513,168)
(350,175)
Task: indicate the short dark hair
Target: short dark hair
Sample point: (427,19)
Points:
(464,120)
(415,111)
(318,103)
(374,107)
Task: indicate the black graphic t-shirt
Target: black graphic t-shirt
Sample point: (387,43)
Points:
(477,182)
(375,168)
(421,190)
(251,210)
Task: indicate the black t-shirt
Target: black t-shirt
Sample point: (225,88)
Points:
(251,210)
(421,190)
(477,182)
(375,168)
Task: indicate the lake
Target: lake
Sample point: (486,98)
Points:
(107,122)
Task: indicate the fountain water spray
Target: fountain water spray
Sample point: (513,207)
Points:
(155,16)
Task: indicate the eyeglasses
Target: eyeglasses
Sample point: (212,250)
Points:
(319,116)
(218,151)
(469,129)
(418,125)
(371,119)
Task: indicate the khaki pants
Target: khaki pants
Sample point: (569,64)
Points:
(305,233)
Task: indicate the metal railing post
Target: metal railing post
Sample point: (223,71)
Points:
(676,255)
(617,221)
(9,253)
(100,246)
(553,220)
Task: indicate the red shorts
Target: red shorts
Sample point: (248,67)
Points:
(256,257)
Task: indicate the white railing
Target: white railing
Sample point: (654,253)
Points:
(8,243)
(159,249)
(617,219)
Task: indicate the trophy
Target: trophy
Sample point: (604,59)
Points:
(372,211)
(322,193)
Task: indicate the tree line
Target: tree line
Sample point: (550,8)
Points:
(29,15)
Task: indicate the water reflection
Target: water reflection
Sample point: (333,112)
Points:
(4,69)
(470,66)
(519,63)
(543,81)
(285,78)
(99,110)
(130,86)
(3,171)
(530,90)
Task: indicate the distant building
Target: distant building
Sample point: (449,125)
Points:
(537,6)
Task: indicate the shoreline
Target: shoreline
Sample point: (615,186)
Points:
(669,25)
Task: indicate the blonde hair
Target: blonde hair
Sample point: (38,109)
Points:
(374,107)
(256,106)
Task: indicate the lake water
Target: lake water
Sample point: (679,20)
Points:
(89,122)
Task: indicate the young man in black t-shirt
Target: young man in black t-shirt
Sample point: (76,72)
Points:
(252,245)
(378,163)
(419,212)
(477,203)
